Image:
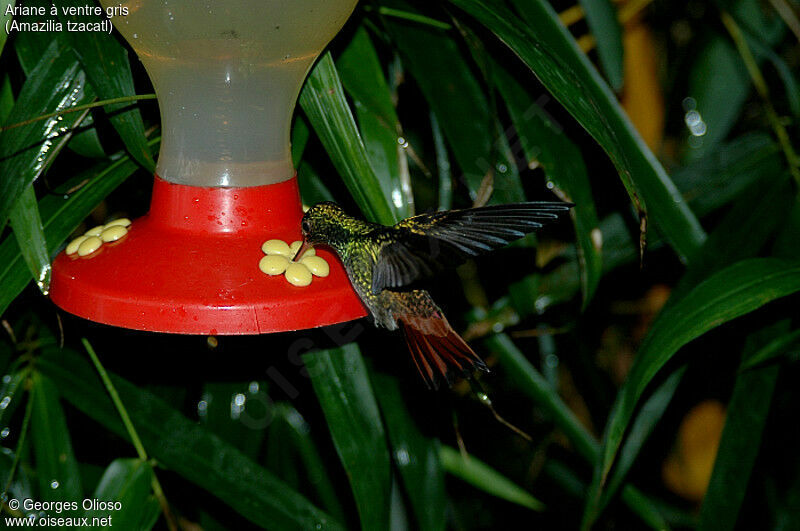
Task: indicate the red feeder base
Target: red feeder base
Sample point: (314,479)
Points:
(190,266)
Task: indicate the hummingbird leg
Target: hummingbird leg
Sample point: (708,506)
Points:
(303,248)
(484,399)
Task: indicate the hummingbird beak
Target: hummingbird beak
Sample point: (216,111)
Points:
(303,248)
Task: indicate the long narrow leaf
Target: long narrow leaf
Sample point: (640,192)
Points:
(127,481)
(772,350)
(460,105)
(297,433)
(324,103)
(642,426)
(3,19)
(746,417)
(106,64)
(363,78)
(415,456)
(550,51)
(602,19)
(545,143)
(56,466)
(484,477)
(184,447)
(56,83)
(731,293)
(532,383)
(741,234)
(60,216)
(28,230)
(342,386)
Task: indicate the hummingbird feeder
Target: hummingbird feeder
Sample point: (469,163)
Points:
(227,75)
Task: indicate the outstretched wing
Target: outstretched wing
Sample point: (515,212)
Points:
(424,245)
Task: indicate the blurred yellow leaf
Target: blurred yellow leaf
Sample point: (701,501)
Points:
(687,470)
(641,97)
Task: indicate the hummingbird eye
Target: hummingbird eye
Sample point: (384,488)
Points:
(306,228)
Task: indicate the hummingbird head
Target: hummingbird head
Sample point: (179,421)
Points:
(323,223)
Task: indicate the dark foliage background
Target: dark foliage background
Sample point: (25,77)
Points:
(649,349)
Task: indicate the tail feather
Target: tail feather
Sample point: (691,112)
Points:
(438,351)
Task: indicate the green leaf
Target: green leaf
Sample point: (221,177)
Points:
(786,243)
(719,85)
(653,511)
(6,98)
(31,45)
(708,184)
(56,83)
(342,386)
(533,384)
(290,442)
(184,447)
(87,142)
(300,135)
(790,84)
(415,456)
(127,481)
(545,143)
(9,388)
(3,19)
(741,234)
(641,428)
(733,292)
(21,486)
(312,189)
(722,175)
(362,77)
(551,53)
(325,106)
(238,413)
(106,64)
(56,466)
(60,216)
(774,349)
(603,24)
(442,166)
(745,419)
(460,106)
(29,232)
(718,82)
(485,478)
(648,510)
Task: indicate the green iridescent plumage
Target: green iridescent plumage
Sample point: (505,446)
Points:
(383,264)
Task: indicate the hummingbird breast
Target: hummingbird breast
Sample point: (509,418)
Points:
(359,259)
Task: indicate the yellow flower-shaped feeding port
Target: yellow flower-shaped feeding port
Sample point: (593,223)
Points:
(278,261)
(95,237)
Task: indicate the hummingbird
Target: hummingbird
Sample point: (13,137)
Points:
(386,263)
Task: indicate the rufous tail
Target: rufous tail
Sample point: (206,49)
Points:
(438,351)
